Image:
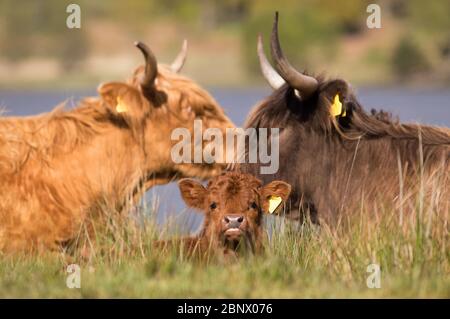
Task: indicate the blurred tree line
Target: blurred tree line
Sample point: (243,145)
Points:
(426,25)
(310,29)
(38,29)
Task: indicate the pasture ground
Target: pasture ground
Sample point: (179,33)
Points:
(411,247)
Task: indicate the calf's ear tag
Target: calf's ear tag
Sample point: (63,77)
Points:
(336,107)
(274,202)
(121,106)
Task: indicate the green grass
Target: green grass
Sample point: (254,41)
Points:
(298,262)
(409,240)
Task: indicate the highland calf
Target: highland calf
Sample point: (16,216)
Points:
(233,205)
(58,169)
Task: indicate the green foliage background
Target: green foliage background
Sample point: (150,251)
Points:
(314,33)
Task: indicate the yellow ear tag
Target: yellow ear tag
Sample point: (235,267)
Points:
(336,107)
(274,202)
(121,107)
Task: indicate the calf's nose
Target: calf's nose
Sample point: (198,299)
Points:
(233,221)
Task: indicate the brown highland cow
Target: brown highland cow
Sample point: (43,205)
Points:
(58,168)
(335,155)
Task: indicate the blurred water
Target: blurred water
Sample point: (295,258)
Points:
(422,106)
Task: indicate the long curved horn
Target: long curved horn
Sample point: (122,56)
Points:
(274,79)
(151,66)
(305,85)
(178,63)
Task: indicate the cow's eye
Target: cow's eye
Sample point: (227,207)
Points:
(213,205)
(253,205)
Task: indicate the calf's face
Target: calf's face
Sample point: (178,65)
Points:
(233,204)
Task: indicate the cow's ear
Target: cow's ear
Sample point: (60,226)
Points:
(273,195)
(193,193)
(124,100)
(333,97)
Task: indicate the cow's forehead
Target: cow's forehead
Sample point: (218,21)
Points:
(234,185)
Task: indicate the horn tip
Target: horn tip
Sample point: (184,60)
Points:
(185,45)
(259,44)
(275,22)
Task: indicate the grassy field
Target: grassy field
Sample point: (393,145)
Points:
(411,247)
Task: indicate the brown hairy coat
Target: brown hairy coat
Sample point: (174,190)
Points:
(335,164)
(58,169)
(338,158)
(233,205)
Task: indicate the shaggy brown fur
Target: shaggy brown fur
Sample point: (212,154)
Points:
(233,204)
(346,163)
(57,168)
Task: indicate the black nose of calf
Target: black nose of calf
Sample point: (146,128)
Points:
(233,221)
